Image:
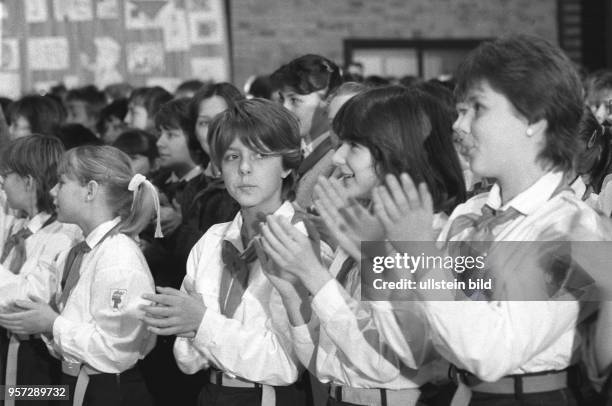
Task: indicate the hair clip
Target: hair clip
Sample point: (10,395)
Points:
(593,138)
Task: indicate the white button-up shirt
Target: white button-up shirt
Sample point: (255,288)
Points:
(101,325)
(498,338)
(38,277)
(249,344)
(346,341)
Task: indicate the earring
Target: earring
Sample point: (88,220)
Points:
(529,132)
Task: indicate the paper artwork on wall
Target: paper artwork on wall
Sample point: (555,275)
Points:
(48,53)
(145,58)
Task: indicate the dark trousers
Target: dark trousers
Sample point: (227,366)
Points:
(125,389)
(167,384)
(333,402)
(3,351)
(562,397)
(35,366)
(216,395)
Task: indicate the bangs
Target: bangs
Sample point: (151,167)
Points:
(31,155)
(266,129)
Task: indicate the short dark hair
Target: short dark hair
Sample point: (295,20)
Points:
(308,74)
(599,80)
(175,115)
(37,156)
(43,113)
(540,82)
(118,108)
(192,85)
(94,99)
(261,86)
(151,98)
(137,142)
(406,131)
(263,126)
(74,135)
(594,157)
(227,92)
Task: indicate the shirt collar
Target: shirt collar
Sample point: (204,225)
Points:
(530,199)
(187,177)
(232,233)
(211,171)
(307,148)
(37,222)
(99,232)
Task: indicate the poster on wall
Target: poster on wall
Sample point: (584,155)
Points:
(10,85)
(48,53)
(145,58)
(176,31)
(105,65)
(209,68)
(205,22)
(35,11)
(107,9)
(143,14)
(80,42)
(9,58)
(73,10)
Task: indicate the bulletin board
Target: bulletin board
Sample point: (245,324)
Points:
(142,42)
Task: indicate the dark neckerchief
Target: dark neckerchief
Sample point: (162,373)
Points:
(315,156)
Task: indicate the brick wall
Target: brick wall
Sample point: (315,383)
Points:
(267,33)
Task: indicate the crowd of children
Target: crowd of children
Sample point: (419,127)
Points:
(215,248)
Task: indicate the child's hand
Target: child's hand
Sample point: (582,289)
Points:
(171,218)
(405,212)
(175,312)
(34,317)
(292,252)
(347,220)
(163,199)
(282,280)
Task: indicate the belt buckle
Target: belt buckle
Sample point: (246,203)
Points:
(71,368)
(455,374)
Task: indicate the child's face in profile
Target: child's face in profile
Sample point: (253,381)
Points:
(355,168)
(304,106)
(140,164)
(77,113)
(600,103)
(68,196)
(20,127)
(252,179)
(208,109)
(173,151)
(492,134)
(137,117)
(17,193)
(113,127)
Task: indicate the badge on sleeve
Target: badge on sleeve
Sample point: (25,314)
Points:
(117,299)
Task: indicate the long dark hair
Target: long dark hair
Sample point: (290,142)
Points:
(595,156)
(406,131)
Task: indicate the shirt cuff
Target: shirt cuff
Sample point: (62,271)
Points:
(211,324)
(301,334)
(328,301)
(60,325)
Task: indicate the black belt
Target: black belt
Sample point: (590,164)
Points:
(518,385)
